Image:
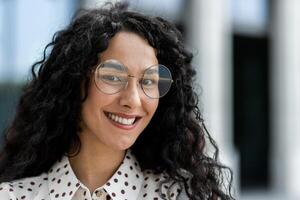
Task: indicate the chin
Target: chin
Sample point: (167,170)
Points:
(122,145)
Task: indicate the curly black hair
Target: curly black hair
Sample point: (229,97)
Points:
(48,114)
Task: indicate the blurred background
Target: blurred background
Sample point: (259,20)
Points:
(247,54)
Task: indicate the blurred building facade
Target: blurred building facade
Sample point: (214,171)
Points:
(248,64)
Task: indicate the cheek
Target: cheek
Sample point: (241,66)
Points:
(152,106)
(88,112)
(90,103)
(91,106)
(96,99)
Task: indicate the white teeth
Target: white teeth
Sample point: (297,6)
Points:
(121,120)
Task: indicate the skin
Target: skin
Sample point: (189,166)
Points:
(103,143)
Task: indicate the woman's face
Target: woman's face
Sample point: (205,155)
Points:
(100,110)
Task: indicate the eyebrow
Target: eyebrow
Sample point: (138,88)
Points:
(119,67)
(151,71)
(116,66)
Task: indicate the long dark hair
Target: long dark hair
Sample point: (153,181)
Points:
(48,115)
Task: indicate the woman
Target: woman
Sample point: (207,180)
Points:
(111,114)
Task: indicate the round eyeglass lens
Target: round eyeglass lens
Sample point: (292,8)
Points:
(110,77)
(156,81)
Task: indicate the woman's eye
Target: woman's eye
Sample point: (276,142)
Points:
(110,78)
(148,82)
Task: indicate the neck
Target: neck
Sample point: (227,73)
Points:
(95,163)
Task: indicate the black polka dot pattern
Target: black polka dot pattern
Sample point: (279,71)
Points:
(60,183)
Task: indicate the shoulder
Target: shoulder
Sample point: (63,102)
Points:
(5,194)
(161,183)
(26,188)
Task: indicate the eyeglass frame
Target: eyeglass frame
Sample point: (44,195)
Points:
(130,76)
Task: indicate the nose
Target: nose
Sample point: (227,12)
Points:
(131,94)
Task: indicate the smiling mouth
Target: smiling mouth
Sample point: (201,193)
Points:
(121,120)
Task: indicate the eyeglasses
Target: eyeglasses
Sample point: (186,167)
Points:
(111,77)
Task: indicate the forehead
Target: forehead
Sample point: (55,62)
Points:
(131,50)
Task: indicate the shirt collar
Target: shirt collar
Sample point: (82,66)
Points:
(126,182)
(62,181)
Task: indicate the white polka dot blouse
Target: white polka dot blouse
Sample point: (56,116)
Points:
(60,183)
